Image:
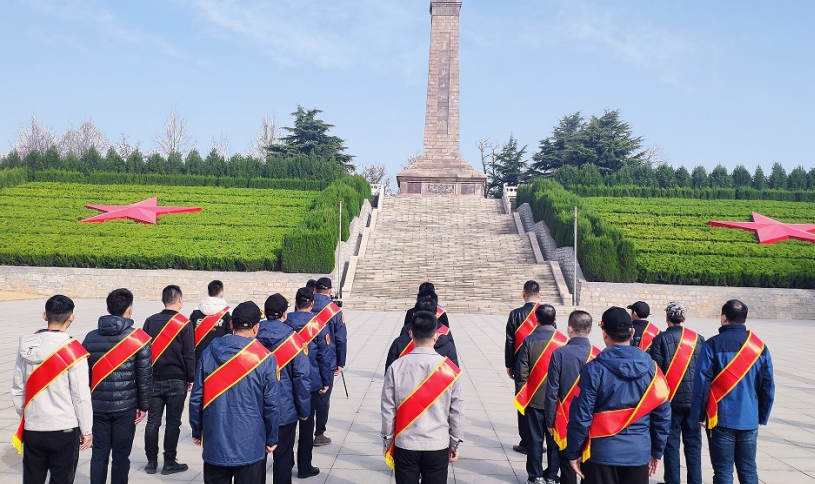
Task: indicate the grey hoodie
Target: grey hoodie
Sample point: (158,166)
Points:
(66,402)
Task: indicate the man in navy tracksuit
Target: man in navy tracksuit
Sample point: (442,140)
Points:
(321,373)
(238,428)
(295,386)
(335,336)
(743,409)
(617,379)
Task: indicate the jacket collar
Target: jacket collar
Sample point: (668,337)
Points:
(579,341)
(733,327)
(424,351)
(678,327)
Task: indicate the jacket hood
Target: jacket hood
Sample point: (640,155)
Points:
(110,325)
(35,348)
(320,301)
(626,362)
(227,346)
(272,333)
(211,305)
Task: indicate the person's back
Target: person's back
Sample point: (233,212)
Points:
(444,346)
(318,353)
(216,308)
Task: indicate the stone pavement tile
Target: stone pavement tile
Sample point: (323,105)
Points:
(784,477)
(355,476)
(464,477)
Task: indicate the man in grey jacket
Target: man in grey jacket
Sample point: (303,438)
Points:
(426,446)
(58,421)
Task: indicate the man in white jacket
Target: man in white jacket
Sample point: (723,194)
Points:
(214,306)
(58,420)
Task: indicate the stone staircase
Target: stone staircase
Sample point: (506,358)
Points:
(467,246)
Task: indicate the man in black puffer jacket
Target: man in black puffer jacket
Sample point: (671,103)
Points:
(120,401)
(663,350)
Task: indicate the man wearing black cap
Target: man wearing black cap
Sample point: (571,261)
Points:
(321,374)
(336,338)
(426,289)
(237,416)
(295,382)
(620,421)
(644,332)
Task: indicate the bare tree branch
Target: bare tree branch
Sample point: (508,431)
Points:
(174,138)
(34,138)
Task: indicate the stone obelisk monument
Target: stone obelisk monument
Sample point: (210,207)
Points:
(441,170)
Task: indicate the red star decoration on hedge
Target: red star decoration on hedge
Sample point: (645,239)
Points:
(770,231)
(146,211)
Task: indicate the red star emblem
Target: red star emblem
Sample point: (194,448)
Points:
(145,212)
(770,231)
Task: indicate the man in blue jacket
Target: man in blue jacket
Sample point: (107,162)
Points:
(732,440)
(617,379)
(336,338)
(295,383)
(239,427)
(321,372)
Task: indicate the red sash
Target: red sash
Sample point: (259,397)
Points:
(731,375)
(563,406)
(208,323)
(681,360)
(442,330)
(49,370)
(234,370)
(168,334)
(538,372)
(439,312)
(648,334)
(529,325)
(117,355)
(421,398)
(318,322)
(612,422)
(287,350)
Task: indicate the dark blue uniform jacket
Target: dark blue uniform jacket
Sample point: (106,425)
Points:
(318,353)
(564,367)
(295,378)
(336,331)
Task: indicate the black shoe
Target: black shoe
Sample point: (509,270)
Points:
(308,473)
(173,468)
(151,466)
(519,449)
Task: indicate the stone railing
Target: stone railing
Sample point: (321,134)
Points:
(508,196)
(349,248)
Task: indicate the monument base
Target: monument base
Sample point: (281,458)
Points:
(423,180)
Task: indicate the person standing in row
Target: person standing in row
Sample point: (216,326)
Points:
(294,372)
(121,387)
(54,405)
(234,403)
(521,322)
(733,403)
(444,345)
(173,373)
(426,289)
(644,331)
(676,351)
(211,318)
(336,338)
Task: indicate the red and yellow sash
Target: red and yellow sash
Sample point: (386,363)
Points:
(234,370)
(526,328)
(648,334)
(442,330)
(612,422)
(318,322)
(421,398)
(681,360)
(538,372)
(49,370)
(563,406)
(439,312)
(287,350)
(731,375)
(208,323)
(117,355)
(168,334)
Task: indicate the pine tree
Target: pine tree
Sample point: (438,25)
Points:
(309,136)
(778,177)
(759,180)
(683,179)
(719,178)
(797,179)
(741,177)
(510,166)
(699,177)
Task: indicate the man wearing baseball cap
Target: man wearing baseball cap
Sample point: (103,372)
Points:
(336,338)
(644,331)
(620,421)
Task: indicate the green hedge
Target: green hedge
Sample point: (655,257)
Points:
(12,178)
(310,247)
(693,193)
(604,253)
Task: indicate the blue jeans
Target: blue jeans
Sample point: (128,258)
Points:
(113,433)
(729,447)
(691,434)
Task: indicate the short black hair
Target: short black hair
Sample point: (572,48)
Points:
(171,294)
(532,288)
(311,284)
(735,311)
(118,301)
(423,325)
(580,322)
(427,303)
(214,288)
(546,314)
(58,309)
(619,337)
(427,287)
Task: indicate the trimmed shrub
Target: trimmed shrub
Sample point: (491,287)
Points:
(12,177)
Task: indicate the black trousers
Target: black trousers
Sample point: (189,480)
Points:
(600,474)
(305,441)
(283,454)
(248,474)
(170,394)
(323,405)
(523,430)
(113,433)
(567,474)
(538,434)
(56,452)
(428,465)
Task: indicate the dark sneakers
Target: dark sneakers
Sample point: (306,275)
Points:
(173,468)
(519,449)
(308,473)
(321,440)
(151,466)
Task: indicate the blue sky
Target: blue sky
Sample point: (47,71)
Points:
(708,82)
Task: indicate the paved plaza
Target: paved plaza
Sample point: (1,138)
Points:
(786,446)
